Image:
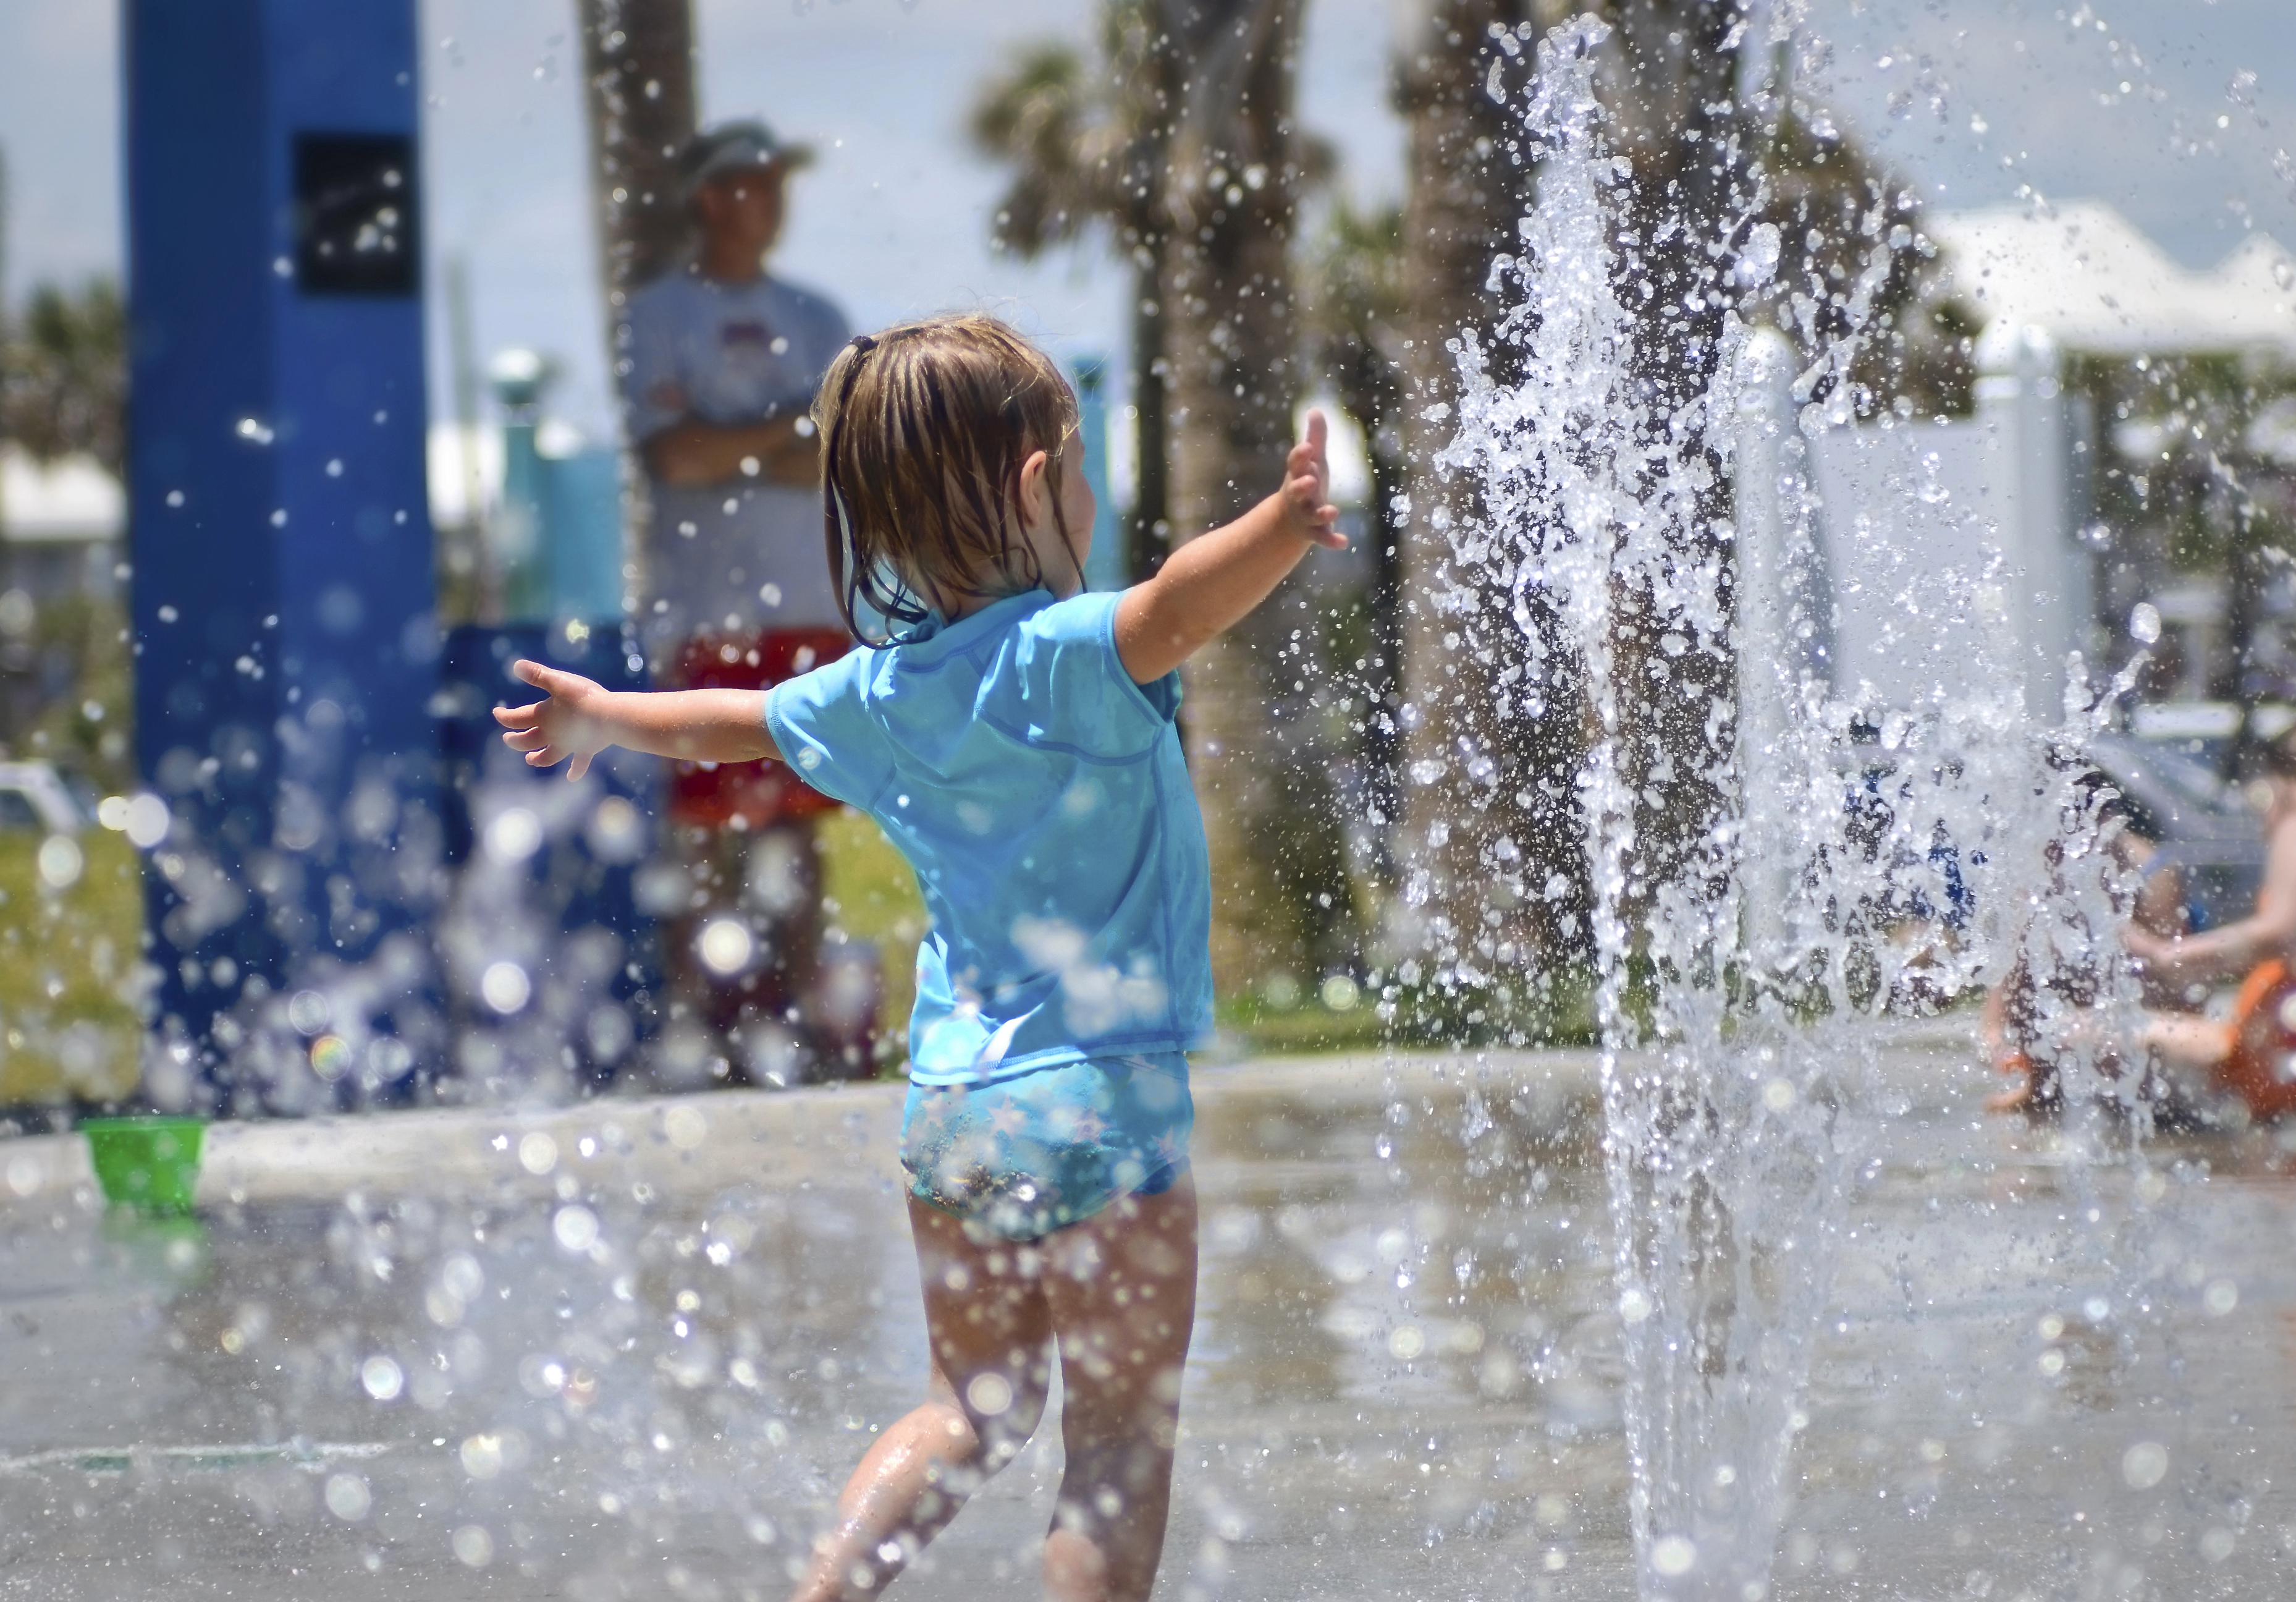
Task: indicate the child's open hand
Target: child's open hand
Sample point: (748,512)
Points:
(1307,486)
(566,723)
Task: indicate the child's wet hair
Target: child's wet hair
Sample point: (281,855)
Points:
(924,429)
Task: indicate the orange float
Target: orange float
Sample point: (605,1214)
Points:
(2260,1068)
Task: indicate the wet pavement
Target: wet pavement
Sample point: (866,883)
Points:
(633,1348)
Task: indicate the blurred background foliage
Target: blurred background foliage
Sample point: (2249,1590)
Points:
(69,992)
(871,895)
(1165,148)
(63,374)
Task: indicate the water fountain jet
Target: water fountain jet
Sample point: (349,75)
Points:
(1811,826)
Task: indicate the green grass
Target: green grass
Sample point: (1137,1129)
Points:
(871,894)
(67,959)
(69,1029)
(1554,1010)
(1262,1030)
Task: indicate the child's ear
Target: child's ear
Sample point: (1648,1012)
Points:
(1035,489)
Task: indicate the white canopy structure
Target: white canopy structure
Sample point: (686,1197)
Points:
(2088,279)
(61,524)
(69,502)
(1947,552)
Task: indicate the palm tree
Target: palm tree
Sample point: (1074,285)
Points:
(1355,301)
(1699,149)
(63,391)
(64,374)
(637,58)
(1261,738)
(1496,877)
(1178,137)
(1086,145)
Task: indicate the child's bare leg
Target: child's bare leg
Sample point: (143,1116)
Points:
(2187,1040)
(1122,1287)
(991,1332)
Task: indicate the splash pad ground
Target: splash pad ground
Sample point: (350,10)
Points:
(633,1347)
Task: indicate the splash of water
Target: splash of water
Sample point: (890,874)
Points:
(1821,826)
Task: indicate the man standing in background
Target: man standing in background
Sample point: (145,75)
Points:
(719,364)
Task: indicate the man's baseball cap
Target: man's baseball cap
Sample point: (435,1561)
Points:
(745,146)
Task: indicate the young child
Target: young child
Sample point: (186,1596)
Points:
(1014,737)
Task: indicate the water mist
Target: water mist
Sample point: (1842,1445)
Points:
(1743,964)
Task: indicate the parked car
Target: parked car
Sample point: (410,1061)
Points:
(33,795)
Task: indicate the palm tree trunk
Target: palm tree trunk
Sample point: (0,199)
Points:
(1378,406)
(1151,494)
(1495,870)
(1258,747)
(1671,96)
(637,57)
(1148,232)
(1496,877)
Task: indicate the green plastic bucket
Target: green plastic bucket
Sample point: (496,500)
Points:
(152,1164)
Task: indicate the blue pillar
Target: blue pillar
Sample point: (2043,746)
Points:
(282,591)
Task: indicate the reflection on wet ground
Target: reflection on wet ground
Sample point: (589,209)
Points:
(632,1348)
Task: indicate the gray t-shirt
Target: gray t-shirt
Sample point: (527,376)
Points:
(748,555)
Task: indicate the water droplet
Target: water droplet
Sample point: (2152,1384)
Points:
(2144,1465)
(61,862)
(147,821)
(576,1228)
(1673,1555)
(308,1011)
(506,988)
(348,1496)
(726,946)
(515,835)
(989,1394)
(382,1378)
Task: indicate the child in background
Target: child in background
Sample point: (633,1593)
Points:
(1014,737)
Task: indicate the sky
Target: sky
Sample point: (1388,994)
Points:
(2173,110)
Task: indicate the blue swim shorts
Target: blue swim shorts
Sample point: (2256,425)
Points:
(1021,1157)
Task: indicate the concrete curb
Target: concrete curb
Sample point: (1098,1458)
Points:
(805,1136)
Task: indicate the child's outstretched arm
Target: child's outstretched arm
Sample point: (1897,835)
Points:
(579,719)
(1210,584)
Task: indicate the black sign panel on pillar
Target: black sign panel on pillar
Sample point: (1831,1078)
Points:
(355,215)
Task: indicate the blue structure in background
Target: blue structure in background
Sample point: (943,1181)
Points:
(328,899)
(568,912)
(582,514)
(567,907)
(1110,565)
(557,538)
(283,590)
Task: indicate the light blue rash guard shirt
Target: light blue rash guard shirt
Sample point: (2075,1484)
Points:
(1040,796)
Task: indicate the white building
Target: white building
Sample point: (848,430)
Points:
(61,525)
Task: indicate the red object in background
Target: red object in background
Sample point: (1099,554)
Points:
(760,794)
(2257,1069)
